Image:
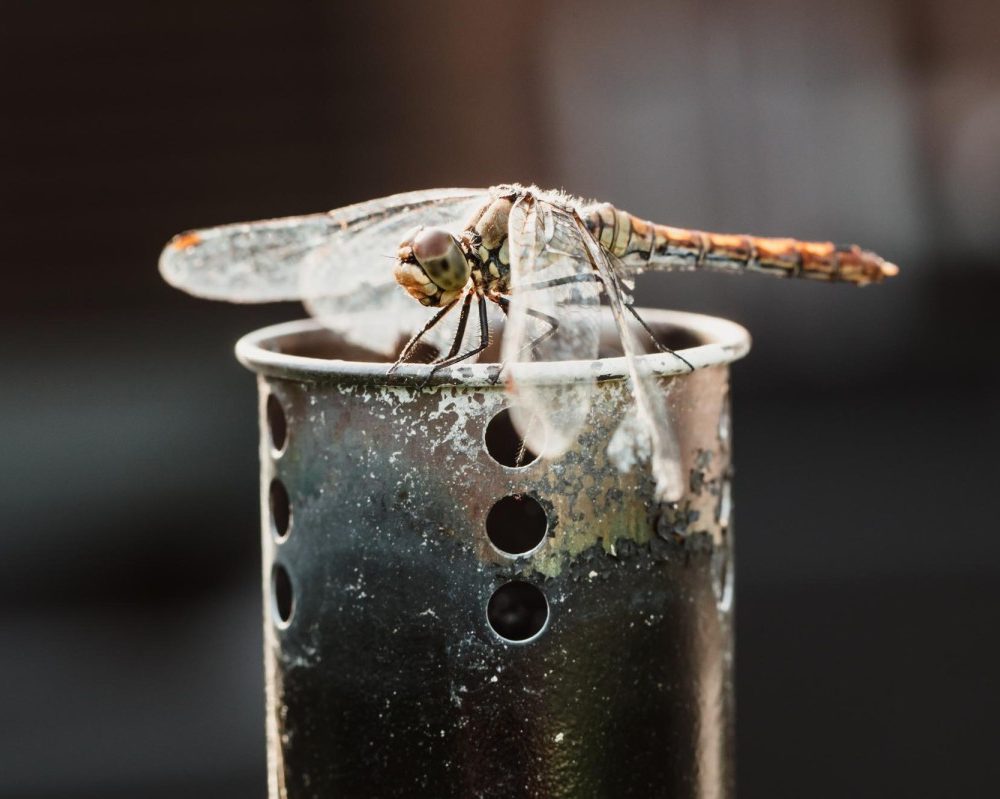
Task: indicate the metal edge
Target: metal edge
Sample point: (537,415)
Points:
(727,342)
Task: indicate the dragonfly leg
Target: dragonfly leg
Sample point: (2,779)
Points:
(484,341)
(583,277)
(463,321)
(586,277)
(408,349)
(551,321)
(661,347)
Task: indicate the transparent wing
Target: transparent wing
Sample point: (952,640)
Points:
(648,430)
(347,282)
(554,315)
(261,261)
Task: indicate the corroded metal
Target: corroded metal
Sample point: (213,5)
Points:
(387,679)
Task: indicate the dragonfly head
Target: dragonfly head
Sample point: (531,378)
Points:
(432,266)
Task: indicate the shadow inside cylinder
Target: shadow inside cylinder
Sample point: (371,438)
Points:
(331,345)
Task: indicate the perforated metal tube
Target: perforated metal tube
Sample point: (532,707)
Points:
(439,624)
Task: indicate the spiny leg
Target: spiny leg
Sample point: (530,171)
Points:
(551,321)
(484,340)
(661,347)
(585,277)
(463,320)
(581,277)
(412,343)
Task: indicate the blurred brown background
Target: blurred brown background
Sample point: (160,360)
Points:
(867,421)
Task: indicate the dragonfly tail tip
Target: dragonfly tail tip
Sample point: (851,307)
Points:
(889,269)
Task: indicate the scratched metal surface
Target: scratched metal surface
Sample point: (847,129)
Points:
(388,681)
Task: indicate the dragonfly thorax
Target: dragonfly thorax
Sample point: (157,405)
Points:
(489,246)
(432,266)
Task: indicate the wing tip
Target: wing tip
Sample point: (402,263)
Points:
(172,257)
(185,240)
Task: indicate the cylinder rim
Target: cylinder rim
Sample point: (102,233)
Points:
(725,342)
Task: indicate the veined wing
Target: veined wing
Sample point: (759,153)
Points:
(347,282)
(554,315)
(650,399)
(261,261)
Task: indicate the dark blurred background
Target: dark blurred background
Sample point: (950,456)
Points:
(867,420)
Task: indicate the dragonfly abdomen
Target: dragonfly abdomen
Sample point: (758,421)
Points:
(645,245)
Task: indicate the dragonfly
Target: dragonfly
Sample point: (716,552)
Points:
(547,261)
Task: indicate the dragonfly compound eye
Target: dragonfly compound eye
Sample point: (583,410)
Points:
(441,258)
(431,266)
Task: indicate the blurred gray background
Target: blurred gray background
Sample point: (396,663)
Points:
(867,421)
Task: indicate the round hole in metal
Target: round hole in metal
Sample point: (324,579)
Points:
(282,596)
(516,524)
(517,611)
(281,511)
(504,444)
(277,424)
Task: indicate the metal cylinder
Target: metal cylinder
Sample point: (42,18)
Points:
(446,618)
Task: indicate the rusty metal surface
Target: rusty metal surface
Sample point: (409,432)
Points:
(388,679)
